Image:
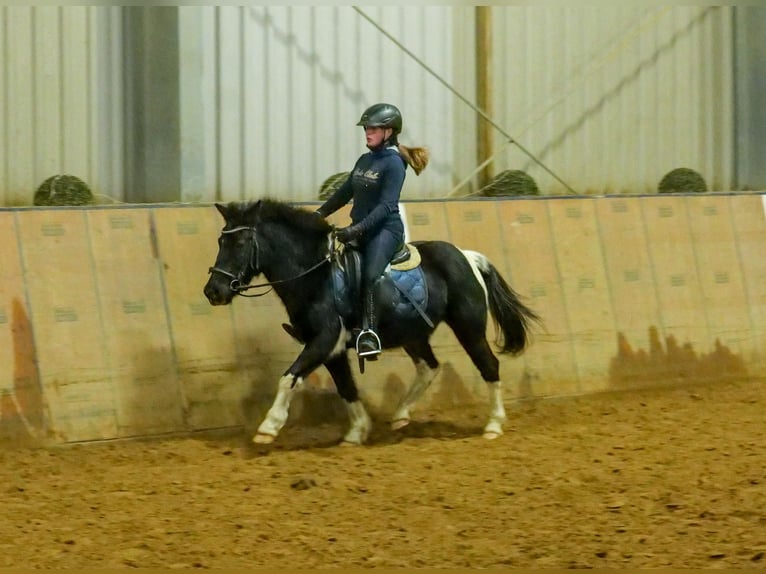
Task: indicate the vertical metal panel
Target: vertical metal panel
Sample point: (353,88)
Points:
(75,68)
(18,113)
(612,98)
(749,63)
(289,84)
(4,90)
(198,109)
(230,97)
(47,105)
(61,85)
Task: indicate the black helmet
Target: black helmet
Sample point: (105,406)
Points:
(382,116)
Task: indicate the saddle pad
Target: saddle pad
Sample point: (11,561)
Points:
(412,288)
(410,285)
(412,262)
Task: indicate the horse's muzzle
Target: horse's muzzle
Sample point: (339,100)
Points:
(218,293)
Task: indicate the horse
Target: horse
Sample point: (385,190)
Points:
(294,249)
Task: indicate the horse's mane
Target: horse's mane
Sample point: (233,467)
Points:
(278,211)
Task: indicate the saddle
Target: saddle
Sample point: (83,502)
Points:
(407,298)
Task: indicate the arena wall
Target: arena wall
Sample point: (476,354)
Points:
(105,332)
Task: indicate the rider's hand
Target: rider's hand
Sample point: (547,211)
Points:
(346,234)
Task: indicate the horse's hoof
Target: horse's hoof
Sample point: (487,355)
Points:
(399,424)
(348,443)
(491,435)
(261,438)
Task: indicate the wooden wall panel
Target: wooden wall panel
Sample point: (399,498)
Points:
(748,219)
(21,397)
(74,362)
(533,272)
(474,225)
(425,220)
(684,329)
(132,303)
(720,276)
(203,336)
(106,331)
(581,264)
(12,289)
(632,291)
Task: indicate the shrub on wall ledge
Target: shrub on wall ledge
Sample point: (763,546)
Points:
(510,182)
(63,190)
(682,180)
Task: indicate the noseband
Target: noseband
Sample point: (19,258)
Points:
(253,262)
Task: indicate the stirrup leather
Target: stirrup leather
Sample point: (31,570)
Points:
(376,339)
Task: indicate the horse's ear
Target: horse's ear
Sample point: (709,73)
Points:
(251,212)
(222,210)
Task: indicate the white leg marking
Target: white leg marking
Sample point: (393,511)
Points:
(340,344)
(277,415)
(424,375)
(360,424)
(497,417)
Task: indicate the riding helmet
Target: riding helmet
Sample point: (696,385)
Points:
(382,116)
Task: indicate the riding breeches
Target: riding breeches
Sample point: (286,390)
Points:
(378,251)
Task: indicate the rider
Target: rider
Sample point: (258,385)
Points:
(375,184)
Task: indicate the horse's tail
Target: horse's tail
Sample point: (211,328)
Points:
(512,317)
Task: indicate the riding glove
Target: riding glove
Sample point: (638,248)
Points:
(346,234)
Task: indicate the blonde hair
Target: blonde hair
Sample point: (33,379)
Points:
(416,157)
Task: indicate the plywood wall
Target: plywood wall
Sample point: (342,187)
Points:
(105,331)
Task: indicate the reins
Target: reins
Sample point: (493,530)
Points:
(242,288)
(236,280)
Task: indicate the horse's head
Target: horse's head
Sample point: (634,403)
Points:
(267,236)
(237,260)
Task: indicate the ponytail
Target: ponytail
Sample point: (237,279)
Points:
(416,157)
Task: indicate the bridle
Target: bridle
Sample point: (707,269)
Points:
(253,262)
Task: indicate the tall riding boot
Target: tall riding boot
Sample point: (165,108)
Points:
(368,342)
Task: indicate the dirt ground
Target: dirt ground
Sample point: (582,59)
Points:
(663,477)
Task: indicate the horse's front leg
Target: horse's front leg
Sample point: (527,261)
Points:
(279,411)
(310,358)
(360,423)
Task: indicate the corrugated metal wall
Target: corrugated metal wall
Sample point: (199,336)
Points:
(288,84)
(609,98)
(612,98)
(60,78)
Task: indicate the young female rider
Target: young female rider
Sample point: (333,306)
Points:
(375,185)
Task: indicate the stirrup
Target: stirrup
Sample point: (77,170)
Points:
(369,334)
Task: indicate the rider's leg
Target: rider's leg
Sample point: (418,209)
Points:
(377,254)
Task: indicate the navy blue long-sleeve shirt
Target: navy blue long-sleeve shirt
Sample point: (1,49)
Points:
(375,185)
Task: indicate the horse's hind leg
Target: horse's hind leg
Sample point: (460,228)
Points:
(361,424)
(494,427)
(475,343)
(426,369)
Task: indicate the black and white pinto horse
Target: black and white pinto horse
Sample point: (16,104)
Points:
(294,250)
